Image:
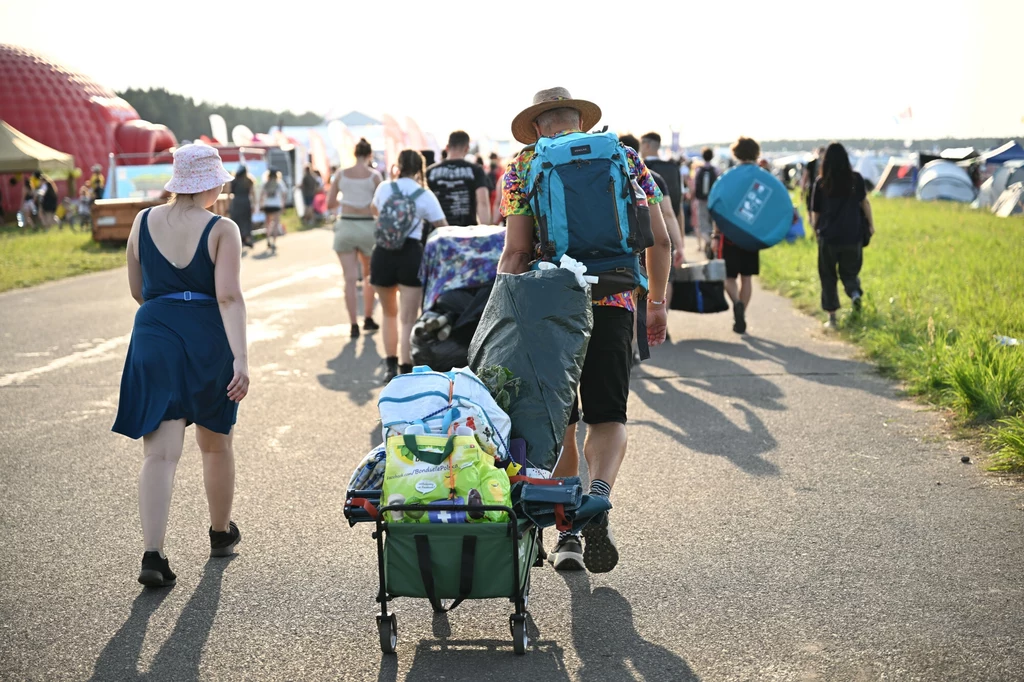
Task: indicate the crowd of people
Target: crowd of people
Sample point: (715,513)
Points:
(187,360)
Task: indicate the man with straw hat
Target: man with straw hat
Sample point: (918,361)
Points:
(604,387)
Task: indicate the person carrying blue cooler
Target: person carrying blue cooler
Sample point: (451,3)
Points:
(586,196)
(740,263)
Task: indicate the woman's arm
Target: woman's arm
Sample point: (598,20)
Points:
(866,207)
(134,265)
(227,276)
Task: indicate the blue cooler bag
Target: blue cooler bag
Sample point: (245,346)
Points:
(751,207)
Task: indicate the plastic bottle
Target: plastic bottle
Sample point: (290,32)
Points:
(444,333)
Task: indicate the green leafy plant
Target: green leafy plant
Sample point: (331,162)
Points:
(501,383)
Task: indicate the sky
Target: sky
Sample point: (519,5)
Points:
(710,69)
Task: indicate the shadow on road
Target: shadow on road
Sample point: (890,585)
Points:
(354,374)
(606,640)
(178,658)
(700,427)
(477,659)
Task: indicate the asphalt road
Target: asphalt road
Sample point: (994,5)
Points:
(782,515)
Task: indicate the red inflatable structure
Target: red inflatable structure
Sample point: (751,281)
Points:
(71,113)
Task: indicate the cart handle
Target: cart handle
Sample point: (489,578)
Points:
(365,504)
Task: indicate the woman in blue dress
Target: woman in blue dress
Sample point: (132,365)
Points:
(187,361)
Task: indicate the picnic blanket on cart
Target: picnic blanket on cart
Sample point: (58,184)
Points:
(460,257)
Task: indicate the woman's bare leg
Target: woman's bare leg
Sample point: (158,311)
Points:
(368,292)
(389,323)
(162,450)
(218,475)
(350,271)
(409,311)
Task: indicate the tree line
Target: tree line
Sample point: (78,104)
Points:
(189,119)
(979,143)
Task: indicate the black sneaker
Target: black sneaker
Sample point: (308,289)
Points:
(390,370)
(857,303)
(156,571)
(739,321)
(223,543)
(354,331)
(369,325)
(567,554)
(600,554)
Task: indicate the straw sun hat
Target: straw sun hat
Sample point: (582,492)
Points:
(546,100)
(197,168)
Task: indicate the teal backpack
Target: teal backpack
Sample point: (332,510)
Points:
(587,207)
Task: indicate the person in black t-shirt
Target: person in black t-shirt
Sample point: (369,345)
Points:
(461,187)
(842,219)
(650,143)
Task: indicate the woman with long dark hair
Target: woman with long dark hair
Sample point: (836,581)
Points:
(243,201)
(842,219)
(395,272)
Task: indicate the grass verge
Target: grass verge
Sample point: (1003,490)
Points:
(942,282)
(30,258)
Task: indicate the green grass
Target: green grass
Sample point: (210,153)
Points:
(28,258)
(941,282)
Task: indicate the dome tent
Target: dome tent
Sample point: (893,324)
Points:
(898,179)
(1009,173)
(944,181)
(70,112)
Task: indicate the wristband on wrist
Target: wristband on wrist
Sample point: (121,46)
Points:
(651,301)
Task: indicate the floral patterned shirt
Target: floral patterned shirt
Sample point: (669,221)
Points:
(515,191)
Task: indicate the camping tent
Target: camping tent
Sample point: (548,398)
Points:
(1011,201)
(20,153)
(870,167)
(944,180)
(1009,173)
(898,179)
(1010,151)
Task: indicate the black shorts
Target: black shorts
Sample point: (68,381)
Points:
(400,267)
(604,385)
(271,210)
(308,199)
(740,261)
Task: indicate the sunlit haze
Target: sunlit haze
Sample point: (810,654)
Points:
(711,70)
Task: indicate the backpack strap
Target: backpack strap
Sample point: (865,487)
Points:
(416,195)
(394,188)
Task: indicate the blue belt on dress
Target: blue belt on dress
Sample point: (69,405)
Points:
(188,296)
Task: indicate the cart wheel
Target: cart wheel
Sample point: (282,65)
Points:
(388,630)
(520,640)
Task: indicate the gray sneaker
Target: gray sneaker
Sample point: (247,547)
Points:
(567,554)
(600,555)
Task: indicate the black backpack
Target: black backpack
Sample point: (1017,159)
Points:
(703,181)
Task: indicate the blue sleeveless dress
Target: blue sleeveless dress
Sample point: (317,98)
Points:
(179,363)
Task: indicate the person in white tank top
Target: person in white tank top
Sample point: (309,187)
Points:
(353,232)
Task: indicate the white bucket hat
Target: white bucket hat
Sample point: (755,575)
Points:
(197,168)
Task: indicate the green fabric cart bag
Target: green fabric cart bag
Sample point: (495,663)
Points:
(491,573)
